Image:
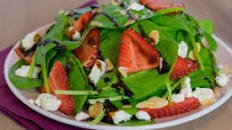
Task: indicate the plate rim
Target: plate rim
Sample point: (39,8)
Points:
(67,121)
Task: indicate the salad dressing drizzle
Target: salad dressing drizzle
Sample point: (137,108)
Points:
(120,85)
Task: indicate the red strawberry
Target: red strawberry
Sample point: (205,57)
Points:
(82,21)
(59,81)
(160,4)
(27,58)
(87,53)
(188,105)
(183,67)
(136,54)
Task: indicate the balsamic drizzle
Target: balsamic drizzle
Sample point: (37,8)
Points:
(120,85)
(110,18)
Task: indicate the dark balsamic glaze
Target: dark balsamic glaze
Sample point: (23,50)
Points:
(125,102)
(109,107)
(120,85)
(28,52)
(110,18)
(165,67)
(124,6)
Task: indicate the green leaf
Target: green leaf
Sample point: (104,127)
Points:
(109,44)
(21,82)
(136,123)
(145,84)
(107,80)
(77,81)
(71,45)
(206,25)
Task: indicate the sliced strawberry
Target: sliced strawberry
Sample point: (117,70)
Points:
(136,54)
(27,58)
(160,4)
(188,105)
(87,53)
(183,67)
(59,81)
(82,21)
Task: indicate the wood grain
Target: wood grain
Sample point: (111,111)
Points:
(19,17)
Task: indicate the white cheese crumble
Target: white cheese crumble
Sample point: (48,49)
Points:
(120,116)
(97,71)
(222,79)
(142,115)
(48,102)
(29,40)
(24,70)
(81,116)
(183,49)
(204,95)
(177,98)
(136,6)
(186,88)
(76,35)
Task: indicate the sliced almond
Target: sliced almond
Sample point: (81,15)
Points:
(154,35)
(109,65)
(153,103)
(123,71)
(207,102)
(198,47)
(204,42)
(95,110)
(191,55)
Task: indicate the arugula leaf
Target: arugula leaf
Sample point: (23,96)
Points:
(146,83)
(77,81)
(21,82)
(109,44)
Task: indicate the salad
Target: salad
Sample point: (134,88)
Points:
(127,63)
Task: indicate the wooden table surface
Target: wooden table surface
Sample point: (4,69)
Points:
(19,17)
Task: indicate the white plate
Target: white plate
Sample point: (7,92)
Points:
(223,55)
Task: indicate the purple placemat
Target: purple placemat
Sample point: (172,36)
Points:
(16,110)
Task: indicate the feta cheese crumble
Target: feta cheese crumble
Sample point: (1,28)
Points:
(76,35)
(48,102)
(136,6)
(81,116)
(29,40)
(183,49)
(142,115)
(204,95)
(97,71)
(177,98)
(222,80)
(186,88)
(24,70)
(120,116)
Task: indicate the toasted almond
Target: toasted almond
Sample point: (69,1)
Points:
(109,65)
(217,92)
(123,71)
(207,102)
(191,55)
(95,110)
(154,35)
(153,103)
(198,47)
(204,42)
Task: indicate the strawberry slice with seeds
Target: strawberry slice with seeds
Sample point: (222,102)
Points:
(87,53)
(188,105)
(82,21)
(58,81)
(136,54)
(183,67)
(27,59)
(160,4)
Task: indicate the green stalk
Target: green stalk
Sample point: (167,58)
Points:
(75,92)
(115,98)
(173,87)
(98,118)
(169,90)
(44,73)
(32,68)
(195,52)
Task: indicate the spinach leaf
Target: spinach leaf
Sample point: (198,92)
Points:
(77,81)
(107,80)
(146,83)
(206,25)
(109,44)
(21,82)
(136,123)
(71,45)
